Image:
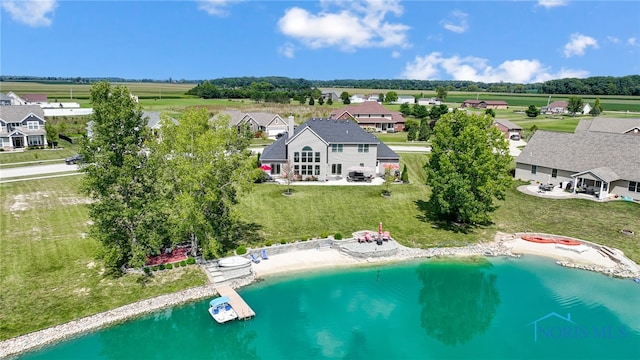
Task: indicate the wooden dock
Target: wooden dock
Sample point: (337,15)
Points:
(237,303)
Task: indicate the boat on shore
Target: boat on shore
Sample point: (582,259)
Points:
(234,261)
(550,240)
(221,311)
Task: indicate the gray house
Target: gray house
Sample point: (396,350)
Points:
(328,148)
(22,126)
(607,162)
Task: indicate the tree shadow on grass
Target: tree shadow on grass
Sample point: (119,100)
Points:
(429,216)
(244,233)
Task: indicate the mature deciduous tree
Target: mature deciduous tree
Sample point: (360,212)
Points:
(52,134)
(575,105)
(206,165)
(392,96)
(441,93)
(346,98)
(405,109)
(532,111)
(490,112)
(468,169)
(120,179)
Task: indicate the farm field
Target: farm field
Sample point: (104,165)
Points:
(49,258)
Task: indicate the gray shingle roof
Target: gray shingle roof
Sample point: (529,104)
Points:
(605,173)
(235,116)
(609,125)
(333,132)
(17,113)
(508,124)
(153,119)
(584,151)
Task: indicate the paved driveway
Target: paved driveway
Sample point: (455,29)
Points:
(35,170)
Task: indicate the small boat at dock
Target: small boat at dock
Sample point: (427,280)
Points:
(234,261)
(221,311)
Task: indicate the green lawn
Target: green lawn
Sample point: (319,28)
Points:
(49,273)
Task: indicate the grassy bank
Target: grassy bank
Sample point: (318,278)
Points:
(49,273)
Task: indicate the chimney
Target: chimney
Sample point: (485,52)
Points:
(290,124)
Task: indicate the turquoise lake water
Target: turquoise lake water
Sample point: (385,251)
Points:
(528,308)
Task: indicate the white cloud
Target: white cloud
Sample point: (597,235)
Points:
(632,41)
(31,12)
(216,7)
(457,22)
(471,68)
(579,44)
(613,39)
(395,54)
(354,24)
(552,3)
(287,50)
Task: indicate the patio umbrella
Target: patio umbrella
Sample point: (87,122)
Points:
(380,230)
(265,167)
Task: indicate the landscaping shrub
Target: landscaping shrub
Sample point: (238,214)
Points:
(338,236)
(241,250)
(155,268)
(268,243)
(169,266)
(146,270)
(283,241)
(191,261)
(183,263)
(161,267)
(324,235)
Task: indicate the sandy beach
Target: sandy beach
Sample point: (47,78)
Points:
(297,261)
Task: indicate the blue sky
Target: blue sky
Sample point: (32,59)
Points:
(490,41)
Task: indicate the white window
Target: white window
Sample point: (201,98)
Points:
(33,125)
(363,148)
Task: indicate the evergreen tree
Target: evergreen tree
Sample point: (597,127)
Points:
(405,175)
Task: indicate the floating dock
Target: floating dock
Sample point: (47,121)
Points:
(237,303)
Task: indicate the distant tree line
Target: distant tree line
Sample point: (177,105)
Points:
(598,85)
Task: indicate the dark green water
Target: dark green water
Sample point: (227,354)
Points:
(419,310)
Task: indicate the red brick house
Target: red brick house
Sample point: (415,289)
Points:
(371,115)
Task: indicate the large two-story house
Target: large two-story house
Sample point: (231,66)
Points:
(326,149)
(603,154)
(372,115)
(22,126)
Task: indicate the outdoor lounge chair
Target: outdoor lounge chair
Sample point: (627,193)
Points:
(264,254)
(255,259)
(386,236)
(367,237)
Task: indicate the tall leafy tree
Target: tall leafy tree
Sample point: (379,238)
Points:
(391,96)
(52,134)
(490,112)
(346,98)
(468,169)
(405,109)
(206,165)
(120,179)
(441,93)
(575,105)
(532,111)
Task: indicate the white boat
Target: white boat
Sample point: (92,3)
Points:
(221,311)
(234,261)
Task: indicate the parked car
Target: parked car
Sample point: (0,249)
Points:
(77,158)
(515,137)
(358,176)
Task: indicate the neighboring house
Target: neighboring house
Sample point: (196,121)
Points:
(610,125)
(5,100)
(35,99)
(608,163)
(405,99)
(562,107)
(371,114)
(334,96)
(485,104)
(508,128)
(22,126)
(429,101)
(556,107)
(357,98)
(15,99)
(268,123)
(373,97)
(324,148)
